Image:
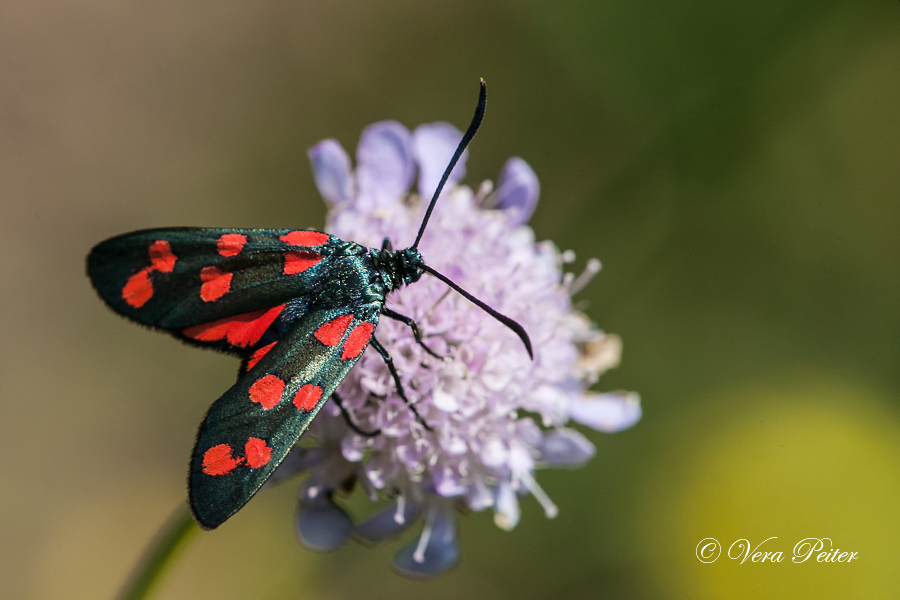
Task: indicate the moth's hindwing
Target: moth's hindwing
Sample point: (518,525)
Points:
(219,287)
(250,429)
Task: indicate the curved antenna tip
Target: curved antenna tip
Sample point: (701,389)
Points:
(467,137)
(511,324)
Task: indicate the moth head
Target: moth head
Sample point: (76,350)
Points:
(410,265)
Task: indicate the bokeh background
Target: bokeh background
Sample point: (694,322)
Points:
(735,165)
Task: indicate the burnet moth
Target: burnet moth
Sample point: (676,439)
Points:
(298,307)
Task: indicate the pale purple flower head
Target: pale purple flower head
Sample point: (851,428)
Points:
(496,415)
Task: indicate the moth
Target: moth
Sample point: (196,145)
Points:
(298,307)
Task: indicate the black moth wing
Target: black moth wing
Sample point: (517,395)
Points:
(219,287)
(249,430)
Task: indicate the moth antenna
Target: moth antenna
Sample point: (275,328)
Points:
(518,329)
(470,133)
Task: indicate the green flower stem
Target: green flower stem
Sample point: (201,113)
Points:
(170,539)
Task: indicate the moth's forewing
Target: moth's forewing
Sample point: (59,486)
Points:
(219,287)
(250,429)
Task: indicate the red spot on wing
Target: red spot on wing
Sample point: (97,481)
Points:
(357,340)
(231,244)
(161,256)
(304,238)
(240,330)
(257,356)
(257,453)
(297,262)
(215,283)
(267,391)
(331,332)
(219,461)
(307,397)
(138,289)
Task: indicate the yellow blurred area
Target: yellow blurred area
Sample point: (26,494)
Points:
(794,462)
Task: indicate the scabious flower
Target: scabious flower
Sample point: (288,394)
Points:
(495,415)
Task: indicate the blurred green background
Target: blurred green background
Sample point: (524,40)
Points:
(735,165)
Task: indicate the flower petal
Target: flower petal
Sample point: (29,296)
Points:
(433,145)
(447,478)
(566,448)
(479,496)
(387,523)
(444,401)
(353,447)
(385,167)
(436,551)
(322,525)
(331,168)
(297,461)
(608,413)
(518,191)
(494,454)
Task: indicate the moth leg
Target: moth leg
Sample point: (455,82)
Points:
(346,414)
(415,329)
(390,365)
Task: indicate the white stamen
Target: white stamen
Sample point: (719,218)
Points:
(419,554)
(592,268)
(367,485)
(312,492)
(484,190)
(567,257)
(550,509)
(436,302)
(399,517)
(506,508)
